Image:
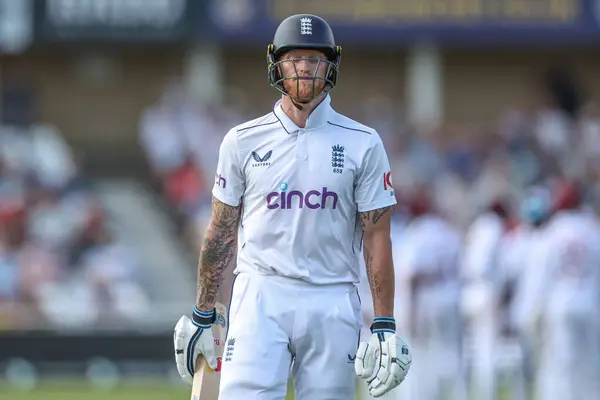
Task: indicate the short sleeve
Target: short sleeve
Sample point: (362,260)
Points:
(374,181)
(229,179)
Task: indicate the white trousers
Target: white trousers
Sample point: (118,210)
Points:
(437,370)
(569,367)
(274,321)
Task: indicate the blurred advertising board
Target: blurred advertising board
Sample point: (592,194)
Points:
(105,359)
(388,22)
(116,20)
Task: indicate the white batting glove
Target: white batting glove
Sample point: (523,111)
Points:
(191,338)
(385,359)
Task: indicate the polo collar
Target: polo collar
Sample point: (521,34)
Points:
(316,119)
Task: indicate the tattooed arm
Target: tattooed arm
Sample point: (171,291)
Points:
(218,250)
(377,248)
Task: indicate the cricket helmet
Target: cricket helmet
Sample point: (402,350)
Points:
(303,31)
(536,205)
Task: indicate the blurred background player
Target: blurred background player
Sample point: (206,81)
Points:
(426,254)
(479,298)
(429,255)
(561,305)
(519,261)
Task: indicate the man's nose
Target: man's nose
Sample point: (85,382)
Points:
(305,66)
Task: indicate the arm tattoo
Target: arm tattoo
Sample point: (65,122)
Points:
(218,250)
(377,282)
(373,279)
(372,217)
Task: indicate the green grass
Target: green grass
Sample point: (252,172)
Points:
(130,391)
(82,391)
(62,391)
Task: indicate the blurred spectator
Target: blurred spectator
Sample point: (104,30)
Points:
(162,142)
(46,210)
(102,279)
(167,131)
(553,129)
(589,135)
(12,236)
(111,269)
(181,139)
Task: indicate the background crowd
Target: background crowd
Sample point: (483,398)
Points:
(62,266)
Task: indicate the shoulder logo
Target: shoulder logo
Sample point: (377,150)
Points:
(306,26)
(387,182)
(261,161)
(337,158)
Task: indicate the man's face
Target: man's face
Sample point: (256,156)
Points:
(299,68)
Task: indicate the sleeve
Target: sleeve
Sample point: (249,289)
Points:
(374,181)
(230,182)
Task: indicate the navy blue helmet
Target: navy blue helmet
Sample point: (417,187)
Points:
(303,31)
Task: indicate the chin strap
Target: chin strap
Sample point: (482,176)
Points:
(297,105)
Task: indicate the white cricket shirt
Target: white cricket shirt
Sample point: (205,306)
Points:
(301,190)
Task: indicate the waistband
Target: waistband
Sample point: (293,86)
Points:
(297,282)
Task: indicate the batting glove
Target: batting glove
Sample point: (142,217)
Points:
(191,338)
(385,359)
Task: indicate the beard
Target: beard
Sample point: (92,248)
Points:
(303,88)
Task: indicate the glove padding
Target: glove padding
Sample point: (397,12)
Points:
(192,339)
(383,362)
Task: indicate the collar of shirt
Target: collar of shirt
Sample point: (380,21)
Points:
(317,119)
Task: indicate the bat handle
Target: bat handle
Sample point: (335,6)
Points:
(200,363)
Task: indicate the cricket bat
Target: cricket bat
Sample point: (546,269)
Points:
(206,381)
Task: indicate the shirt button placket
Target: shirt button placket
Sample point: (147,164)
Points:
(302,152)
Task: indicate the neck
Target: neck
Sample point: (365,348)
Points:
(299,117)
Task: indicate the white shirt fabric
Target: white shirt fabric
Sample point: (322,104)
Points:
(478,268)
(480,247)
(570,276)
(525,261)
(301,190)
(203,135)
(518,262)
(431,250)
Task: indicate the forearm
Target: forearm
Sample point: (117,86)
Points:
(218,251)
(380,272)
(377,249)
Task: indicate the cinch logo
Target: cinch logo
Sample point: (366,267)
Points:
(312,199)
(220,181)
